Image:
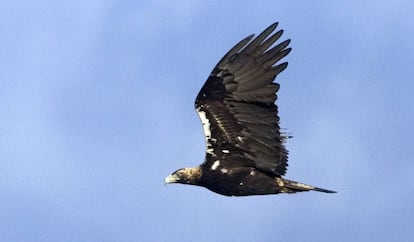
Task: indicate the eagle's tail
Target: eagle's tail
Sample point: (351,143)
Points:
(294,186)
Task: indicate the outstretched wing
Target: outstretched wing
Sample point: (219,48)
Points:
(237,107)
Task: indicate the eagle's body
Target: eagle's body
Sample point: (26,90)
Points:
(245,152)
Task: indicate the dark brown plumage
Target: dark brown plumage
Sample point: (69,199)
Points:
(245,152)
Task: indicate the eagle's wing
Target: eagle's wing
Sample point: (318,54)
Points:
(237,107)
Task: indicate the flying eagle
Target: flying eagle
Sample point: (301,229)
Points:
(245,151)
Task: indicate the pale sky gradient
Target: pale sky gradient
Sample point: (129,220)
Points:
(97,107)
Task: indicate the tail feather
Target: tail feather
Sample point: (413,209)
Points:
(301,187)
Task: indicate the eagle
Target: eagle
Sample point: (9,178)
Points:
(245,149)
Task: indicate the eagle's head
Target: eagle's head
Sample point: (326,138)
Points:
(185,176)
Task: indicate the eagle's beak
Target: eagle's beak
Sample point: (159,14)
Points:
(171,179)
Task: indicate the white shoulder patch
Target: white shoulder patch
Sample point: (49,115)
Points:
(215,164)
(206,128)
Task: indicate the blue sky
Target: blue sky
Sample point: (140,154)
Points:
(96,108)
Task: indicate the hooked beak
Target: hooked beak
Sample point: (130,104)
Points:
(171,179)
